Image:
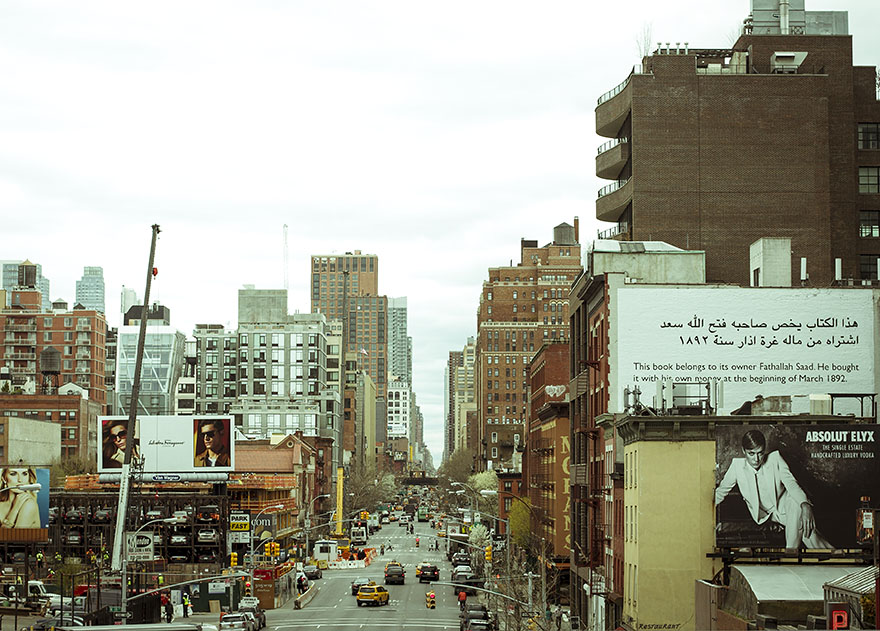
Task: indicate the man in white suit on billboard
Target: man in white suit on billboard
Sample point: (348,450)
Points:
(771,492)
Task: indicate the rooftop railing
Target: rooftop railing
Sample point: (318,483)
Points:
(637,69)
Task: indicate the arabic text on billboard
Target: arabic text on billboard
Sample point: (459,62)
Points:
(168,443)
(795,486)
(751,341)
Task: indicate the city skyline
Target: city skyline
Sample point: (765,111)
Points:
(433,141)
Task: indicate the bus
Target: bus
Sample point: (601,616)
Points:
(423,512)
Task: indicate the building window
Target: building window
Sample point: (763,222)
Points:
(68,322)
(869,135)
(494,437)
(508,501)
(869,180)
(869,223)
(494,452)
(868,266)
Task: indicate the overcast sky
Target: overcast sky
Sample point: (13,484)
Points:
(435,135)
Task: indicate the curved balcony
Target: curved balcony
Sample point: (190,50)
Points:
(613,200)
(613,156)
(614,106)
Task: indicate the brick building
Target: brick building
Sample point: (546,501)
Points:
(548,453)
(777,136)
(522,306)
(76,338)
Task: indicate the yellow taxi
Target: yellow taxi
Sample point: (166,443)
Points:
(441,533)
(393,518)
(419,567)
(375,594)
(390,563)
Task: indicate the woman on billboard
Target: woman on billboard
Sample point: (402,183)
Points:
(18,508)
(115,437)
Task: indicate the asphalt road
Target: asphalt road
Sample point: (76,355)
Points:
(334,606)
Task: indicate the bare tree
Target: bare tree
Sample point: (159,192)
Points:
(644,40)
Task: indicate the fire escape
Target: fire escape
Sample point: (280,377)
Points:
(541,479)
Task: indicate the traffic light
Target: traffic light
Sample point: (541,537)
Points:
(247,588)
(488,555)
(233,559)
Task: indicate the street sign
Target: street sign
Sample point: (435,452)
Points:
(140,546)
(239,527)
(166,477)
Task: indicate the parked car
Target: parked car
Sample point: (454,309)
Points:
(461,558)
(312,572)
(182,515)
(207,557)
(156,513)
(465,582)
(178,539)
(179,558)
(55,607)
(208,514)
(73,537)
(102,516)
(53,514)
(395,574)
(74,515)
(44,624)
(208,535)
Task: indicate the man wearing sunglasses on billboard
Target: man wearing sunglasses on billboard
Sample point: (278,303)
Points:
(211,439)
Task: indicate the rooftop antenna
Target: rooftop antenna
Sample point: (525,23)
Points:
(286,265)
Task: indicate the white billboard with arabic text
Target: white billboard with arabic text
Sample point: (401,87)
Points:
(753,341)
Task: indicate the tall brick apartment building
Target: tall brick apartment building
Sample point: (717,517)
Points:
(521,307)
(76,337)
(776,137)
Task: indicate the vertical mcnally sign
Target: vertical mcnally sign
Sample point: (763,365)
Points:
(168,443)
(795,486)
(752,341)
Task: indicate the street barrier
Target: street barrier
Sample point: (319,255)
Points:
(305,598)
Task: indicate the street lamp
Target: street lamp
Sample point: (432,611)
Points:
(531,509)
(124,604)
(251,557)
(475,505)
(308,522)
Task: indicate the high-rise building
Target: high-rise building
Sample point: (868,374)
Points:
(521,307)
(283,382)
(9,279)
(454,360)
(464,395)
(90,289)
(399,410)
(162,367)
(399,342)
(349,283)
(713,149)
(127,299)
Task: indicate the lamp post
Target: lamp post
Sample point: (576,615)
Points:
(307,521)
(531,509)
(251,557)
(124,586)
(476,493)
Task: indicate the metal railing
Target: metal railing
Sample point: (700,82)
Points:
(610,233)
(637,69)
(611,144)
(614,186)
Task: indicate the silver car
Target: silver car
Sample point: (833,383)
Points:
(237,622)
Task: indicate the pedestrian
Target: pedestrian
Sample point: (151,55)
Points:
(40,559)
(169,611)
(462,599)
(557,615)
(185,605)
